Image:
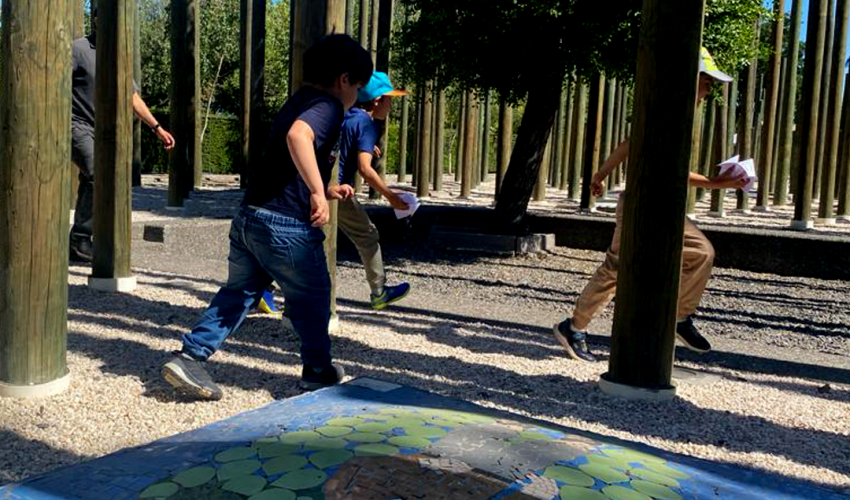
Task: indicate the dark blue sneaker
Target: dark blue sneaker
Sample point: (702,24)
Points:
(575,343)
(391,294)
(688,335)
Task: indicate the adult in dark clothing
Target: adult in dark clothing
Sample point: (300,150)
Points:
(82,138)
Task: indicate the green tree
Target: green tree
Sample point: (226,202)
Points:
(529,48)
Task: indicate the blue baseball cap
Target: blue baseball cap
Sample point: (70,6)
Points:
(379,85)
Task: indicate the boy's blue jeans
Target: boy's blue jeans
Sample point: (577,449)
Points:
(266,246)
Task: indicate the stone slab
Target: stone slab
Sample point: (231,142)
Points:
(375,440)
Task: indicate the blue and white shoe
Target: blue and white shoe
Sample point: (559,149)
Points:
(267,305)
(391,294)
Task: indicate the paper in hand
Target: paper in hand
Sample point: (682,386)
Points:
(412,205)
(736,168)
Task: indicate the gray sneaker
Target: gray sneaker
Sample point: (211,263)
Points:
(188,376)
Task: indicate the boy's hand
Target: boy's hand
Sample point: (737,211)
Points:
(165,137)
(397,202)
(320,212)
(597,185)
(727,181)
(340,192)
(377,151)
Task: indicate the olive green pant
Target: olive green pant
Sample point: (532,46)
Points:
(355,223)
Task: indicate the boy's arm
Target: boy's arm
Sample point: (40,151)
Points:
(617,157)
(299,139)
(364,166)
(720,182)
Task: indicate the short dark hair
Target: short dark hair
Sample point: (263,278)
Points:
(333,56)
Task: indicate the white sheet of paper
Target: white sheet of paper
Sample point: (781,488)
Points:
(412,205)
(741,168)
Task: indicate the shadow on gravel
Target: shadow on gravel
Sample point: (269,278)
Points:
(782,323)
(20,455)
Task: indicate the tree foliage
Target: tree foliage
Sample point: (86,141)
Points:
(512,45)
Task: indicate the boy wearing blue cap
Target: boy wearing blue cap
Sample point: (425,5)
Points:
(360,131)
(277,235)
(697,252)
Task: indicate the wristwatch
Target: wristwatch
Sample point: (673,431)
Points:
(155,126)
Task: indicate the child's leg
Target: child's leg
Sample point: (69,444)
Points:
(291,251)
(246,281)
(355,223)
(697,259)
(601,288)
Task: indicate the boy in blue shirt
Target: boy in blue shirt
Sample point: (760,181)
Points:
(277,236)
(360,131)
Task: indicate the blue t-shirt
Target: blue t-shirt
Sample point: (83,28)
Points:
(275,183)
(359,134)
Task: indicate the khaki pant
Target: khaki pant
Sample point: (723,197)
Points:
(355,223)
(697,258)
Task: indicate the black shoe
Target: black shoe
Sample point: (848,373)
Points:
(189,377)
(80,250)
(328,376)
(574,343)
(688,334)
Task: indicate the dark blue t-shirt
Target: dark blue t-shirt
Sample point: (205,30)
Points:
(275,183)
(359,134)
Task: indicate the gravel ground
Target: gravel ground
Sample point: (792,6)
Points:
(473,328)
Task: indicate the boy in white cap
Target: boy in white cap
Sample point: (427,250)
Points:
(697,252)
(360,132)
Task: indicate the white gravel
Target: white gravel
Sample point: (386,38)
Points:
(775,421)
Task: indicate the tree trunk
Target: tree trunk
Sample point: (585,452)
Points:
(180,170)
(245,25)
(137,122)
(34,196)
(565,142)
(402,138)
(422,183)
(537,120)
(373,38)
(382,24)
(461,131)
(485,138)
(774,69)
(193,52)
(350,8)
(310,21)
(694,164)
(364,23)
(592,141)
(844,159)
(706,143)
(503,149)
(745,132)
(470,128)
(827,198)
(113,152)
(653,217)
(812,83)
(558,157)
(607,130)
(780,194)
(440,138)
(826,77)
(539,192)
(577,141)
(720,151)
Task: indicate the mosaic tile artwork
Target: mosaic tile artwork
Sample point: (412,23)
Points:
(372,440)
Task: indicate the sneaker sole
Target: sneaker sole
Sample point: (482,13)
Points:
(177,379)
(314,386)
(565,344)
(385,304)
(689,346)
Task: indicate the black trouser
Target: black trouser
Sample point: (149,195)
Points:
(82,154)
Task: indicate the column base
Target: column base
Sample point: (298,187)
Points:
(52,388)
(843,217)
(587,211)
(825,221)
(741,211)
(718,215)
(635,393)
(113,285)
(802,225)
(762,210)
